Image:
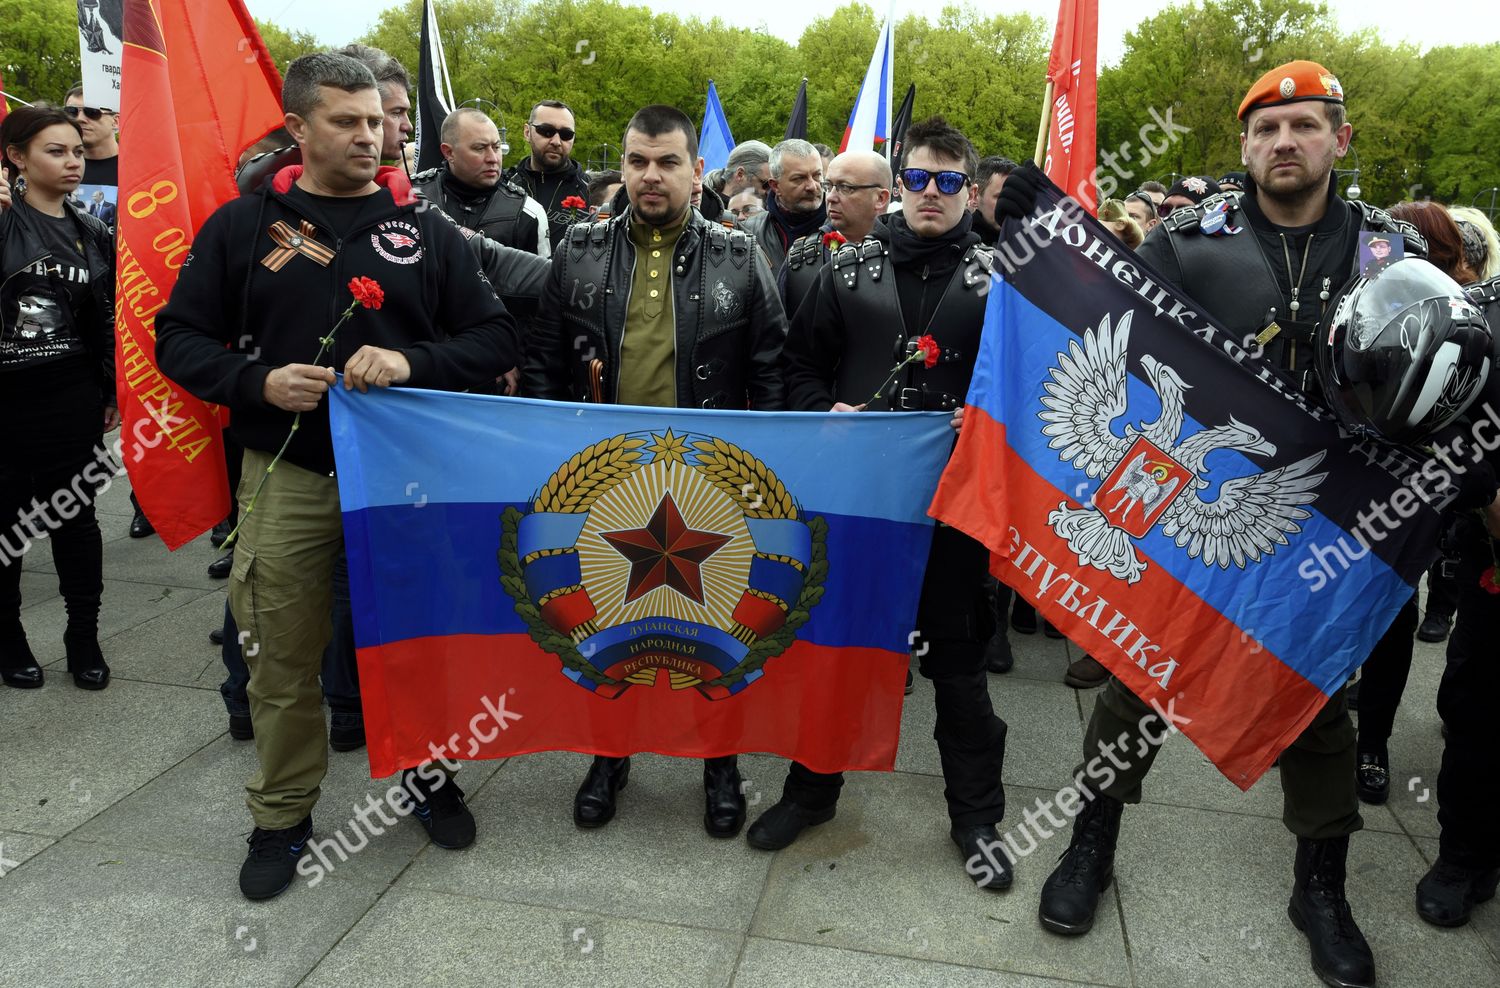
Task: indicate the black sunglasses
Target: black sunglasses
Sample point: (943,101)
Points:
(548,131)
(1142,197)
(948,183)
(92,112)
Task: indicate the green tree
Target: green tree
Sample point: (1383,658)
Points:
(286,46)
(39,48)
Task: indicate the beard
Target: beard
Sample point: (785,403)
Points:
(1308,181)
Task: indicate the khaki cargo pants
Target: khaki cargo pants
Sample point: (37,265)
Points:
(281,594)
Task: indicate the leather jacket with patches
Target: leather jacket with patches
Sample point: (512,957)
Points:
(851,328)
(729,322)
(508,216)
(1246,280)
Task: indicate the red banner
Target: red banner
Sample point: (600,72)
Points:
(1073,71)
(197,88)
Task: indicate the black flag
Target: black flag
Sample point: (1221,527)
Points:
(899,123)
(434,92)
(796,125)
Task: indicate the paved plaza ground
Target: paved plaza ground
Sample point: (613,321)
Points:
(122,827)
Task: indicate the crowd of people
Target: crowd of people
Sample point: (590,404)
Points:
(818,248)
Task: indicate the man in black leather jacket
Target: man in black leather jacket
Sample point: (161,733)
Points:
(924,272)
(1265,263)
(658,306)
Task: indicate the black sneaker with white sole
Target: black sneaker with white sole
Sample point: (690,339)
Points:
(269,868)
(440,809)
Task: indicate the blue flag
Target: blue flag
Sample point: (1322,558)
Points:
(714,139)
(633,579)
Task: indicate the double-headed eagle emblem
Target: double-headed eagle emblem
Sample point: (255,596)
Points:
(1149,475)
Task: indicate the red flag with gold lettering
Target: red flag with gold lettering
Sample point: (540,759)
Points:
(1073,71)
(197,87)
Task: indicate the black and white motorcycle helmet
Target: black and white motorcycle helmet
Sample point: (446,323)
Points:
(1402,354)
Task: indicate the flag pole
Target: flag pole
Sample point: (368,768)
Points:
(1041,131)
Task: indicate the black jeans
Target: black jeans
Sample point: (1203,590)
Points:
(1468,800)
(1382,679)
(340,675)
(955,622)
(53,416)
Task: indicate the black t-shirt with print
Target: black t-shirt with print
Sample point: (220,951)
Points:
(50,295)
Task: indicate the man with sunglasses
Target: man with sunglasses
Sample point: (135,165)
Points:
(101,147)
(794,207)
(549,174)
(856,193)
(923,271)
(1142,209)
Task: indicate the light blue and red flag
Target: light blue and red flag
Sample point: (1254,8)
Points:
(1168,501)
(631,579)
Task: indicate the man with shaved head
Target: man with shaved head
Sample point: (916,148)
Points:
(468,185)
(857,191)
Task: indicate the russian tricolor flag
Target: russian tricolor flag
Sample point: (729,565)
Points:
(870,120)
(1168,501)
(629,579)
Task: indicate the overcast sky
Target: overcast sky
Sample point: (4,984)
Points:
(1440,21)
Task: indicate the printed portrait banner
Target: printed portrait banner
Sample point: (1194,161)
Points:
(100,46)
(621,579)
(1169,502)
(199,88)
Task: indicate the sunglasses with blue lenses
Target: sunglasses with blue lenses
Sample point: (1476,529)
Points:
(948,183)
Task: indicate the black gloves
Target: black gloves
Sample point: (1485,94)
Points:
(1018,194)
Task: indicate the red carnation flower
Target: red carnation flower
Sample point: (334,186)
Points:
(1490,580)
(930,350)
(367,292)
(833,240)
(574,202)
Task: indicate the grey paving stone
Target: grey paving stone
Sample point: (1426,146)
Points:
(148,561)
(1043,741)
(37,587)
(652,862)
(95,914)
(1207,892)
(70,754)
(883,877)
(16,848)
(126,605)
(779,964)
(418,937)
(1037,657)
(198,808)
(115,499)
(173,647)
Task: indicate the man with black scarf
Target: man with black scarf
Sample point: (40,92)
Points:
(927,265)
(795,206)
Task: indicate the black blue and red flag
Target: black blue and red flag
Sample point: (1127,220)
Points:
(1169,501)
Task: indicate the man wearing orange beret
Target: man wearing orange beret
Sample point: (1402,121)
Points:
(1265,262)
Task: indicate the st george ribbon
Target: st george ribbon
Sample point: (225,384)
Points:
(628,579)
(1169,501)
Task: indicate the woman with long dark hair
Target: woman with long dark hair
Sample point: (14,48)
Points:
(1382,679)
(57,391)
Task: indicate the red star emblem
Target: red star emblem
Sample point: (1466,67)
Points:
(665,553)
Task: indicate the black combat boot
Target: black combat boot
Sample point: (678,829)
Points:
(1340,955)
(1071,893)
